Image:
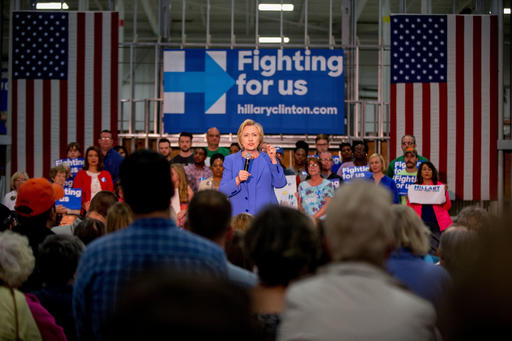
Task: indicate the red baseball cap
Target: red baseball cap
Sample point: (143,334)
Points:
(37,196)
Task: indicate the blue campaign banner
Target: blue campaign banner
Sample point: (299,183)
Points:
(287,91)
(351,173)
(72,199)
(75,165)
(403,182)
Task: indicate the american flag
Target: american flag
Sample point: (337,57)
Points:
(444,77)
(64,84)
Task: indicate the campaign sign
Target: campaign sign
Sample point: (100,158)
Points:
(351,173)
(335,183)
(75,165)
(287,91)
(403,182)
(72,199)
(425,194)
(286,195)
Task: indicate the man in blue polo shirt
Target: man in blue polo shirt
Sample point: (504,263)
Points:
(151,240)
(111,158)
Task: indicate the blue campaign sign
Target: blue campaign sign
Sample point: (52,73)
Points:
(75,165)
(72,199)
(351,173)
(403,182)
(287,91)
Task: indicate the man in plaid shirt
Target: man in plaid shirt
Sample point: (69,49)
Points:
(152,240)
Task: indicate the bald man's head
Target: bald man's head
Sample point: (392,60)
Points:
(213,138)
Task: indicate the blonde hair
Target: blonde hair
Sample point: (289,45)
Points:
(248,123)
(183,182)
(119,216)
(241,222)
(15,176)
(381,160)
(410,232)
(16,259)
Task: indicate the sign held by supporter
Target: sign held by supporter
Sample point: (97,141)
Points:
(75,165)
(286,195)
(351,173)
(72,199)
(403,182)
(427,194)
(288,91)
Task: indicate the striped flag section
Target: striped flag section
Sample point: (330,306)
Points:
(64,84)
(453,112)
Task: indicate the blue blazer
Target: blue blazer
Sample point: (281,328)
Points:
(258,191)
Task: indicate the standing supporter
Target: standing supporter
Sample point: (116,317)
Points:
(89,230)
(322,145)
(252,189)
(58,260)
(93,178)
(164,148)
(354,298)
(209,216)
(346,155)
(198,171)
(300,155)
(411,170)
(435,216)
(217,167)
(360,152)
(377,168)
(326,162)
(185,144)
(406,263)
(182,192)
(234,148)
(473,217)
(17,179)
(111,159)
(121,150)
(213,140)
(283,245)
(35,207)
(73,150)
(314,194)
(118,217)
(151,240)
(58,176)
(16,264)
(398,164)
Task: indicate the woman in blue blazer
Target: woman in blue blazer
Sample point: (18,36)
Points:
(252,189)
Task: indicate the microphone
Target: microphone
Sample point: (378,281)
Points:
(247,160)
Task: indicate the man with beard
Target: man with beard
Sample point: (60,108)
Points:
(185,143)
(411,170)
(398,164)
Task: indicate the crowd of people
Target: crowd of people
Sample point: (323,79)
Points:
(197,245)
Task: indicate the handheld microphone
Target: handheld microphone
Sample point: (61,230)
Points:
(247,160)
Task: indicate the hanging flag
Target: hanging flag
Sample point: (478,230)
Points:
(64,84)
(444,78)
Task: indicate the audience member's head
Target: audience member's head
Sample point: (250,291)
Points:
(59,174)
(473,217)
(180,181)
(100,204)
(234,148)
(142,197)
(73,150)
(35,204)
(89,229)
(58,258)
(91,153)
(16,259)
(358,226)
(119,216)
(456,243)
(346,151)
(410,232)
(209,214)
(164,147)
(188,307)
(236,252)
(283,245)
(241,222)
(18,179)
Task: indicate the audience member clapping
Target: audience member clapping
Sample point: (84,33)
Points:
(406,262)
(353,298)
(283,245)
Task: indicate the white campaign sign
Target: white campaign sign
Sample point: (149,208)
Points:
(286,195)
(423,194)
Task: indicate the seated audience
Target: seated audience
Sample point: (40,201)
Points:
(354,298)
(58,260)
(455,245)
(241,222)
(89,229)
(473,217)
(119,216)
(406,262)
(283,245)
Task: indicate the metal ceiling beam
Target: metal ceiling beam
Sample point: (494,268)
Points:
(360,7)
(150,14)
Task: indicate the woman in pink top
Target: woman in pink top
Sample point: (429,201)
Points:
(435,216)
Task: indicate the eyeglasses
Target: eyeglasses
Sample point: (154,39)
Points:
(105,138)
(407,143)
(313,165)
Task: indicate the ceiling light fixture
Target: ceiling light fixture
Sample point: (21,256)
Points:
(276,7)
(273,40)
(52,5)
